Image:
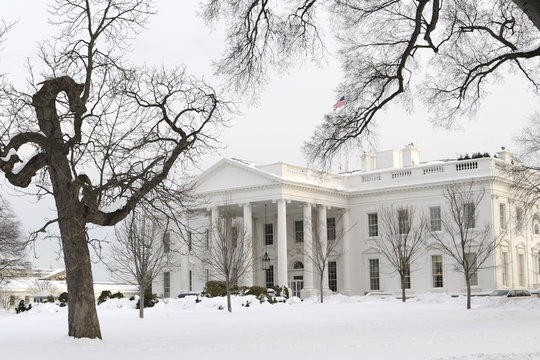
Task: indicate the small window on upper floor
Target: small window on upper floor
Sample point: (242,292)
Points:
(536,228)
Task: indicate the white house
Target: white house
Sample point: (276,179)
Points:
(276,203)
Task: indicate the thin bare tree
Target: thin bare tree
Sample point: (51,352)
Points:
(228,253)
(402,240)
(385,46)
(325,241)
(102,137)
(142,250)
(462,238)
(12,245)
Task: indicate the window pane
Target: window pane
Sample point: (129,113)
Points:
(374,274)
(502,216)
(403,219)
(468,215)
(332,275)
(270,277)
(167,284)
(299,231)
(269,234)
(373,225)
(437,271)
(435,218)
(471,260)
(331,228)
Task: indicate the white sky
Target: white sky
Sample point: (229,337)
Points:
(274,128)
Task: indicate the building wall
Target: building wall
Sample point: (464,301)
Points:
(419,186)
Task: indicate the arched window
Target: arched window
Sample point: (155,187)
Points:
(298,265)
(536,225)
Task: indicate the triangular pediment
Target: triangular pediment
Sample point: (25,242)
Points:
(229,174)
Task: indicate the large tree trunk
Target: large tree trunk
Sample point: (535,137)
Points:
(531,8)
(141,301)
(82,314)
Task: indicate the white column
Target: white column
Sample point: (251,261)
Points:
(308,289)
(248,243)
(323,238)
(346,253)
(184,266)
(282,243)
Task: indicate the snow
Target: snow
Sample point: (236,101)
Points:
(8,156)
(429,326)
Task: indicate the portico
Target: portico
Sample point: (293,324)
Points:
(284,230)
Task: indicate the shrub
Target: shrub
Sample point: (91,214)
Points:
(117,295)
(214,288)
(63,298)
(105,294)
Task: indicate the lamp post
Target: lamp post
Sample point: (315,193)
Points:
(266,261)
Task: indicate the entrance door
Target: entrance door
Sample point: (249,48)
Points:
(296,285)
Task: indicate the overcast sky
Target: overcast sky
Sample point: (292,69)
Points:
(275,127)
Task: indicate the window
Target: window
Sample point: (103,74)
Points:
(11,299)
(189,240)
(331,228)
(207,275)
(299,231)
(408,276)
(373,225)
(234,235)
(471,260)
(270,277)
(538,262)
(269,234)
(435,218)
(207,238)
(166,284)
(519,219)
(374,283)
(298,265)
(437,271)
(502,216)
(27,299)
(403,221)
(521,267)
(468,215)
(505,269)
(332,275)
(190,281)
(167,242)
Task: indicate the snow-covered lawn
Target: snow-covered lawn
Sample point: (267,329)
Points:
(426,327)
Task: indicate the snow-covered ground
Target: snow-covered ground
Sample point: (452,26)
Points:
(426,327)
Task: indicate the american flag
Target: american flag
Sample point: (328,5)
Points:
(340,102)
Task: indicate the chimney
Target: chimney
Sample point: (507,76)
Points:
(505,155)
(410,155)
(368,162)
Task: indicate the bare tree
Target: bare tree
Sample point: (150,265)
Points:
(12,245)
(468,243)
(325,240)
(228,252)
(385,46)
(401,240)
(109,136)
(142,249)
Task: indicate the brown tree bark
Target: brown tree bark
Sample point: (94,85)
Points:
(531,8)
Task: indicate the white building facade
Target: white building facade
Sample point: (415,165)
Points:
(277,202)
